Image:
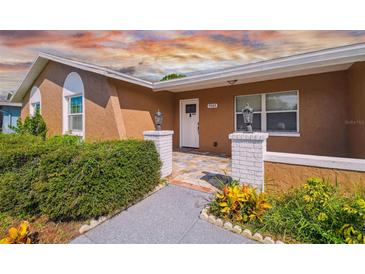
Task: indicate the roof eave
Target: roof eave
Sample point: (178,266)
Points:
(41,61)
(306,61)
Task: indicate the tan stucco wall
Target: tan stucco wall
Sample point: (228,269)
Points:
(50,83)
(139,105)
(281,177)
(100,121)
(321,107)
(356,111)
(115,109)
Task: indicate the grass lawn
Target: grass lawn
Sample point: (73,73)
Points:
(46,232)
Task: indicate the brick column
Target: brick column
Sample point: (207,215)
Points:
(163,143)
(248,151)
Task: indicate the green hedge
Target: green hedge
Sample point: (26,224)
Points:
(70,180)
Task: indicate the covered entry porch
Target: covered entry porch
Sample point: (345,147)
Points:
(200,170)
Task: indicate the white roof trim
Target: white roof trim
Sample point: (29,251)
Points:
(315,160)
(10,104)
(43,59)
(334,59)
(301,64)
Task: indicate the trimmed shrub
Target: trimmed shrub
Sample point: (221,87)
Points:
(70,180)
(33,125)
(17,150)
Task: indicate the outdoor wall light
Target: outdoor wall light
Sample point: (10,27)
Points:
(247,113)
(158,119)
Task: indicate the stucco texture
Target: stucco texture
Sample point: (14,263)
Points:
(113,109)
(355,125)
(138,106)
(321,106)
(116,110)
(281,177)
(100,123)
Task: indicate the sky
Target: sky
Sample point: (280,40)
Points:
(150,55)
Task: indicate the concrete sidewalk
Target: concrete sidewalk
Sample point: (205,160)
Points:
(169,216)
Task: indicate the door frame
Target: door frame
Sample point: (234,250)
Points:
(180,119)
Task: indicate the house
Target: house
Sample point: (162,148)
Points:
(9,115)
(312,103)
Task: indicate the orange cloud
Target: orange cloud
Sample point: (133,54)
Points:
(151,54)
(78,39)
(9,67)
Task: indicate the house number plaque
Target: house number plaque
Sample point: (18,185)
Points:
(213,105)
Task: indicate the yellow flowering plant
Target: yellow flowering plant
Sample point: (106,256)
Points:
(18,235)
(239,203)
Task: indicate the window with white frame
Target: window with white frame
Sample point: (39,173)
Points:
(36,107)
(73,105)
(75,113)
(34,101)
(272,112)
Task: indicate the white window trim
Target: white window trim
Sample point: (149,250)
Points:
(31,107)
(65,109)
(264,112)
(68,99)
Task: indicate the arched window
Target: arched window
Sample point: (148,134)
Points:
(34,101)
(73,105)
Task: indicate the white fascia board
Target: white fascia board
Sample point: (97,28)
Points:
(10,104)
(42,60)
(305,61)
(316,161)
(97,69)
(35,69)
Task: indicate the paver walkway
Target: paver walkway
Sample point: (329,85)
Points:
(169,216)
(201,169)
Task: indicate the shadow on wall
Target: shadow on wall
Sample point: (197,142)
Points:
(139,105)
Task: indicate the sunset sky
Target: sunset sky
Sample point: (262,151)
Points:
(152,54)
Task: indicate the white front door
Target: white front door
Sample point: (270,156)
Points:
(189,123)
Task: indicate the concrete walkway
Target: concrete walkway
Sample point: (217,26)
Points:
(169,216)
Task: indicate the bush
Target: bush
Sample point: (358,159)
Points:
(70,180)
(33,125)
(316,213)
(172,76)
(239,203)
(18,150)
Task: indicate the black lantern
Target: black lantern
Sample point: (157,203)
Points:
(158,119)
(247,118)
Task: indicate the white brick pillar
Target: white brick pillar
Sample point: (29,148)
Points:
(248,151)
(163,143)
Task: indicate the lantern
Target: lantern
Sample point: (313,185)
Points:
(158,119)
(247,113)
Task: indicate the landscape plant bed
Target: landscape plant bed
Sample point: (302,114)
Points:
(59,183)
(45,231)
(317,212)
(245,231)
(42,230)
